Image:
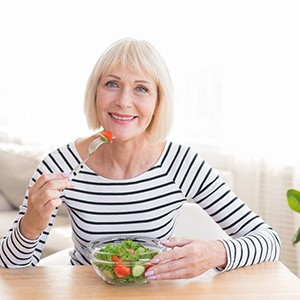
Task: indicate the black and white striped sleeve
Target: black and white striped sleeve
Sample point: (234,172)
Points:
(251,240)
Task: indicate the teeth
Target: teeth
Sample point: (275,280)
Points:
(122,118)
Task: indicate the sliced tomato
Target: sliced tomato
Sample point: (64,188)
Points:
(115,258)
(108,135)
(122,271)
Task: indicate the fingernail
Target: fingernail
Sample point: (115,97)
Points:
(151,278)
(65,175)
(155,260)
(165,241)
(149,273)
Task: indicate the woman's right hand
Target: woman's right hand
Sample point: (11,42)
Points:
(43,198)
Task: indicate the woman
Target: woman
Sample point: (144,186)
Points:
(137,184)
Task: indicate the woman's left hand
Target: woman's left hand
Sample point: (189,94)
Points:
(187,258)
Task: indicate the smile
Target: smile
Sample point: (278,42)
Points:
(122,118)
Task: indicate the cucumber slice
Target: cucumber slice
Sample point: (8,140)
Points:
(106,136)
(138,270)
(140,250)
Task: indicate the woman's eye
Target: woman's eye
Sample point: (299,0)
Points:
(142,89)
(111,84)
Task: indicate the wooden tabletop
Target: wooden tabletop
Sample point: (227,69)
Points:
(264,281)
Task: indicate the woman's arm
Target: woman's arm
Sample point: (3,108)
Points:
(250,239)
(23,245)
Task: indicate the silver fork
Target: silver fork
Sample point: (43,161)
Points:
(94,145)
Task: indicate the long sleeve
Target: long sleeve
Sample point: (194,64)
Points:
(16,251)
(251,240)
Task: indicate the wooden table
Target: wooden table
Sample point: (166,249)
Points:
(264,281)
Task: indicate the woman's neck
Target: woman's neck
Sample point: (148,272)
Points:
(125,160)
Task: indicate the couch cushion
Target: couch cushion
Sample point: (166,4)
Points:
(18,164)
(7,219)
(194,222)
(4,203)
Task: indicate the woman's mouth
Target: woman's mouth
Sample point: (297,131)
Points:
(122,117)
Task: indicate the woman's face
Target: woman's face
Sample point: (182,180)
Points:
(126,102)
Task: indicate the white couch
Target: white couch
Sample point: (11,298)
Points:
(18,162)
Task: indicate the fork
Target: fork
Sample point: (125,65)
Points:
(94,145)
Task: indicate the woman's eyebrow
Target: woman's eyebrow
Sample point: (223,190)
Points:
(142,81)
(136,81)
(114,76)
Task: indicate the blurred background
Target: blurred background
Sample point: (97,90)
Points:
(236,72)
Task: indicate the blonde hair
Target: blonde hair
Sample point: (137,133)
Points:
(136,55)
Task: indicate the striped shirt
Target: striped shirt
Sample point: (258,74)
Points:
(148,205)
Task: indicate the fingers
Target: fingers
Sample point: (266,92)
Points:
(45,193)
(173,243)
(179,266)
(186,260)
(43,198)
(167,258)
(179,271)
(53,181)
(177,242)
(169,264)
(47,200)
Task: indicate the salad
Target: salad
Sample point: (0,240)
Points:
(124,262)
(106,136)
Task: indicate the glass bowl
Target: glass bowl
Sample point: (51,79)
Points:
(123,260)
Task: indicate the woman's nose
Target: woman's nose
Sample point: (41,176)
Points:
(124,98)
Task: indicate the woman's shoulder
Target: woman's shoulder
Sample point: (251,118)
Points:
(182,147)
(63,148)
(61,155)
(73,147)
(181,151)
